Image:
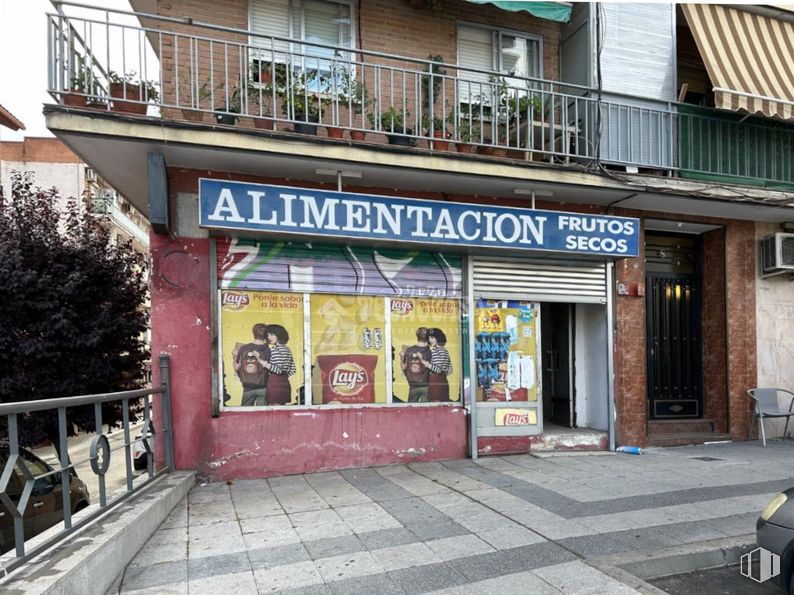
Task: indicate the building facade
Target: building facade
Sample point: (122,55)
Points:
(401,231)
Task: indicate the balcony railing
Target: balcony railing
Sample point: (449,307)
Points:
(182,70)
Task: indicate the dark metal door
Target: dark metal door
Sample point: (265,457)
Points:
(672,267)
(556,341)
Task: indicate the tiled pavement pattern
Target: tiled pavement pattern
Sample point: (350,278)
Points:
(513,524)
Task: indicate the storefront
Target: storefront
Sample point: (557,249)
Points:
(331,301)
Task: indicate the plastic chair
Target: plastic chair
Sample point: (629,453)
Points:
(767,405)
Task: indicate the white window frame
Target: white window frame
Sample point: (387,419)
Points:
(497,33)
(299,38)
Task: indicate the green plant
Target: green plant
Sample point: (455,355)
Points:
(82,78)
(190,96)
(430,87)
(302,95)
(389,120)
(347,90)
(131,79)
(437,123)
(520,107)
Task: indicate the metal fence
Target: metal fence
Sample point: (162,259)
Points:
(20,464)
(178,69)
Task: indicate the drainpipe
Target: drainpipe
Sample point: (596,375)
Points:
(612,414)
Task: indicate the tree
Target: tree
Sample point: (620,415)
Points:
(72,309)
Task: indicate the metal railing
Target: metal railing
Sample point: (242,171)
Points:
(18,462)
(180,69)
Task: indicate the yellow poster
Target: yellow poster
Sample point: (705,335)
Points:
(262,347)
(426,361)
(348,349)
(505,350)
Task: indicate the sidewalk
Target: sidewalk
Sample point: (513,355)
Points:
(513,524)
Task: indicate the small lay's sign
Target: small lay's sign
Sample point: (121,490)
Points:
(516,417)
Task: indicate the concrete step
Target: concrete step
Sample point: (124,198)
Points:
(680,426)
(680,439)
(586,440)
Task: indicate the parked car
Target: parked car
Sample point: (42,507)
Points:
(775,532)
(140,457)
(45,506)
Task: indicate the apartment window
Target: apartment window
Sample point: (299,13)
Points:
(328,22)
(514,55)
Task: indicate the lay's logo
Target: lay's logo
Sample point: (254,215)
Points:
(348,379)
(402,306)
(234,300)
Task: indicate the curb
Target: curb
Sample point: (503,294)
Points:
(90,560)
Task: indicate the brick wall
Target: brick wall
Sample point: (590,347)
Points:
(37,150)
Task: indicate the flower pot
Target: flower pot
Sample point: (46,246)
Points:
(227,119)
(403,141)
(438,143)
(264,124)
(133,94)
(494,151)
(334,132)
(192,115)
(96,104)
(466,148)
(74,100)
(306,124)
(358,135)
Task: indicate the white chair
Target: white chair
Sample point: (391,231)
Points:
(768,405)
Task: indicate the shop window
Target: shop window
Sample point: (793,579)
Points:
(426,349)
(355,325)
(262,348)
(348,350)
(506,350)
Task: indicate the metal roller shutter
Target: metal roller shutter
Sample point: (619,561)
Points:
(543,280)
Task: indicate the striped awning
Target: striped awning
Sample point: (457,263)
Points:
(749,58)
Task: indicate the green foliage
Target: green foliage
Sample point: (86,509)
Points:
(131,79)
(72,315)
(390,120)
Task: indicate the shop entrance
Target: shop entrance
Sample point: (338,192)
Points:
(557,329)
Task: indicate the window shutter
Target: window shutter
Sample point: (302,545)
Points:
(475,50)
(270,17)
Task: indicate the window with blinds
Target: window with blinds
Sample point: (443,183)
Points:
(485,49)
(313,21)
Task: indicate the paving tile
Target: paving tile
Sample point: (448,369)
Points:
(321,589)
(334,546)
(154,553)
(375,540)
(277,556)
(274,523)
(577,577)
(177,589)
(155,575)
(382,584)
(319,524)
(240,582)
(503,539)
(373,485)
(295,494)
(336,490)
(288,576)
(462,546)
(437,530)
(215,565)
(591,546)
(519,583)
(270,539)
(215,539)
(364,518)
(421,579)
(484,566)
(177,517)
(405,556)
(339,568)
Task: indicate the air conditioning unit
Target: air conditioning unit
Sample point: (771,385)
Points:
(90,174)
(777,254)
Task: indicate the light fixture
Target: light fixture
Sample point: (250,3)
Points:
(338,172)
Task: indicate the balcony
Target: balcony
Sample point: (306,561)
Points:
(107,209)
(201,75)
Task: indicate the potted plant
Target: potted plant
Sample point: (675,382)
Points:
(80,83)
(432,124)
(352,94)
(196,97)
(391,124)
(227,114)
(520,107)
(129,92)
(301,101)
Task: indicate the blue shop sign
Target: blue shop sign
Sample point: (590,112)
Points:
(304,211)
